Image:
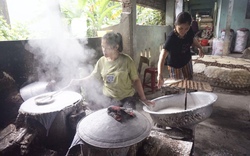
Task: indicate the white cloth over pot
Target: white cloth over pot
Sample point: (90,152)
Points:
(46,113)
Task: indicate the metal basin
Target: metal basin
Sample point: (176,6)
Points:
(170,110)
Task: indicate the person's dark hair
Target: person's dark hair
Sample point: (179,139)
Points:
(182,18)
(114,39)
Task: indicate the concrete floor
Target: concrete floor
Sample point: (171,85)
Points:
(227,130)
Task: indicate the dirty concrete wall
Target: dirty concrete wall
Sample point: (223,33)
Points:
(149,39)
(238,16)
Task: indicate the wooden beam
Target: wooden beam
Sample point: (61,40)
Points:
(153,4)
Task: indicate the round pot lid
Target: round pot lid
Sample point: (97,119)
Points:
(101,130)
(57,103)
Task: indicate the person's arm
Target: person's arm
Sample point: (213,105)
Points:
(161,62)
(73,83)
(96,74)
(138,87)
(199,47)
(77,82)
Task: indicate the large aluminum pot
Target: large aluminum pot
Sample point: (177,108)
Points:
(101,130)
(33,89)
(170,110)
(53,115)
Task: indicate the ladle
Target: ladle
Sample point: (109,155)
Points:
(44,99)
(185,94)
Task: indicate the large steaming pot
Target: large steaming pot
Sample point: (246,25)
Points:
(53,115)
(33,89)
(170,110)
(101,130)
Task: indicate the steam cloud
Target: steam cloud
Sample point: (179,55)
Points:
(59,55)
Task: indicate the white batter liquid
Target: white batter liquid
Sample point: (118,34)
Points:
(171,110)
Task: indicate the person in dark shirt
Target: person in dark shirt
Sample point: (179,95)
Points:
(176,52)
(195,26)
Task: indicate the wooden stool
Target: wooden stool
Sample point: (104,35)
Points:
(153,83)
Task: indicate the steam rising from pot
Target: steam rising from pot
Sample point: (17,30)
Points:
(60,56)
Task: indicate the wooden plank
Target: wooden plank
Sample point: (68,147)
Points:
(193,85)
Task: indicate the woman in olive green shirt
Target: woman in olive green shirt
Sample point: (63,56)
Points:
(118,73)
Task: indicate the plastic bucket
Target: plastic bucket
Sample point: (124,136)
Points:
(204,42)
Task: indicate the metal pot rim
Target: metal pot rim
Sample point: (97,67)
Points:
(214,98)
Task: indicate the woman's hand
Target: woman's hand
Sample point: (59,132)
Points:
(160,81)
(147,102)
(162,58)
(199,47)
(201,53)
